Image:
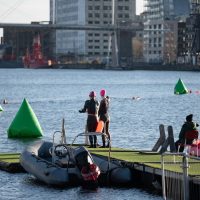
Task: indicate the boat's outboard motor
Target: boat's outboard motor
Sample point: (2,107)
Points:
(81,156)
(89,170)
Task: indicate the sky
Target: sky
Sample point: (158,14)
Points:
(25,11)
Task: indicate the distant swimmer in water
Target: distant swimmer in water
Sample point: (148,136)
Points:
(5,101)
(136,98)
(197,91)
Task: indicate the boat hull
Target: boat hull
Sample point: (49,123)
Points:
(37,161)
(115,173)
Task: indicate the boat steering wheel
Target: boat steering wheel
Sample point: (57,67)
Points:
(61,150)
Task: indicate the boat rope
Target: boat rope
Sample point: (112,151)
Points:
(39,159)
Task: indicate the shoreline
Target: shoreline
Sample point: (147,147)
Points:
(138,66)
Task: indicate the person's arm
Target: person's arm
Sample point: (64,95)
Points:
(84,109)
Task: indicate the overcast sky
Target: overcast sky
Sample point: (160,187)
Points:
(25,11)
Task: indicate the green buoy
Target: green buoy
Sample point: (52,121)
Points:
(25,124)
(180,88)
(1,109)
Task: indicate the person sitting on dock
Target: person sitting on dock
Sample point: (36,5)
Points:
(188,127)
(91,107)
(103,115)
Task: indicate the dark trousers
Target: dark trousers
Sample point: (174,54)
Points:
(180,145)
(106,131)
(91,126)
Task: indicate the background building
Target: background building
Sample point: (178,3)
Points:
(19,39)
(160,29)
(88,45)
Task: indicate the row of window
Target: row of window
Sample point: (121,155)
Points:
(155,45)
(154,32)
(96,47)
(98,22)
(155,26)
(97,34)
(155,52)
(107,15)
(111,0)
(120,16)
(155,40)
(98,53)
(98,7)
(105,41)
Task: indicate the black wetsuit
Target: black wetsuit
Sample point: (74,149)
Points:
(104,116)
(91,107)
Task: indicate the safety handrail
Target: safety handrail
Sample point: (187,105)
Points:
(97,134)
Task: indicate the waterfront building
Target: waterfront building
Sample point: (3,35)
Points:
(19,39)
(182,42)
(161,29)
(193,33)
(91,45)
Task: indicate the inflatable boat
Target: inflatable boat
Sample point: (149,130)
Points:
(59,164)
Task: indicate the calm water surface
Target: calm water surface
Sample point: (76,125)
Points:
(57,94)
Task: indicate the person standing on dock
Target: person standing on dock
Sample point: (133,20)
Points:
(188,127)
(91,107)
(104,116)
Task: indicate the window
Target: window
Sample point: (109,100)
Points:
(126,15)
(126,8)
(97,7)
(97,15)
(105,8)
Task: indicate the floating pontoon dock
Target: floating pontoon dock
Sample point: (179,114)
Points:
(145,165)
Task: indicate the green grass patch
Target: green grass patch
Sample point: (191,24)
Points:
(9,157)
(172,163)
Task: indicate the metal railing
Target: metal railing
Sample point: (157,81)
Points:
(177,172)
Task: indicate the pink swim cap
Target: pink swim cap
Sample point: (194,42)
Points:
(92,94)
(103,93)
